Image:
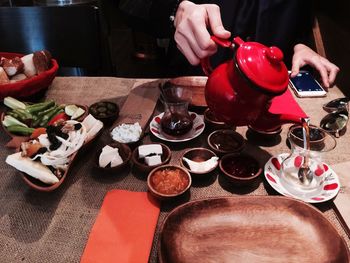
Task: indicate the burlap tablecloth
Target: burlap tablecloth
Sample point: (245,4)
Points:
(54,227)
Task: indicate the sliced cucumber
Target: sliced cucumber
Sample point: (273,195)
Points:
(71,109)
(11,121)
(13,103)
(79,112)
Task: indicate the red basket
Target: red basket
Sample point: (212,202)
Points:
(28,87)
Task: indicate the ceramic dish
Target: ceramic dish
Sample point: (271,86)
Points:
(31,86)
(213,123)
(328,190)
(249,229)
(197,129)
(198,155)
(43,187)
(143,167)
(124,152)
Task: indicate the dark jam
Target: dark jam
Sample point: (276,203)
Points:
(241,166)
(176,124)
(225,142)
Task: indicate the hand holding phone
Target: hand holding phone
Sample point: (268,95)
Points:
(304,85)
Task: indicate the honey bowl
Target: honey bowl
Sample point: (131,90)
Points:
(168,181)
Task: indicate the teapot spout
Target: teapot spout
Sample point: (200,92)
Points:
(271,122)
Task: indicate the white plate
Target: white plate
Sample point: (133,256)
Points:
(197,129)
(329,188)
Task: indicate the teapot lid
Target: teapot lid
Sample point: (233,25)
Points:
(262,65)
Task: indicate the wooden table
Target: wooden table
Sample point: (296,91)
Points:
(54,227)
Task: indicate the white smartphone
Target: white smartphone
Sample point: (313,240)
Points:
(304,85)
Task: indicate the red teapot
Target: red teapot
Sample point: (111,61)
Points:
(239,91)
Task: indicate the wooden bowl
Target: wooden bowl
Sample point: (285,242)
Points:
(31,86)
(133,145)
(225,141)
(197,86)
(197,155)
(42,187)
(213,123)
(169,170)
(141,166)
(105,111)
(124,152)
(240,169)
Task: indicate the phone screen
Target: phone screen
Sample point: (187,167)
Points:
(305,82)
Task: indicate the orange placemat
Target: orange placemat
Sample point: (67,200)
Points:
(124,229)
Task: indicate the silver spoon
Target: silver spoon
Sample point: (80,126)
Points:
(304,174)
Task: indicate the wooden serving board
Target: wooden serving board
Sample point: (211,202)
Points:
(342,200)
(140,105)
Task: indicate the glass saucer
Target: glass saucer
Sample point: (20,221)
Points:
(326,191)
(197,129)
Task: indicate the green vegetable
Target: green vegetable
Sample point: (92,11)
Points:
(11,121)
(20,130)
(46,118)
(13,103)
(39,107)
(44,112)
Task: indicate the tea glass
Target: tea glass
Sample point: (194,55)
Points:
(176,120)
(310,159)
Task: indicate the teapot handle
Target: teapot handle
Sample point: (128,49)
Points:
(205,62)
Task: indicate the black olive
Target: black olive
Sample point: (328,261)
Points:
(77,126)
(101,104)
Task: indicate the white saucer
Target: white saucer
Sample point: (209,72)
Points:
(197,129)
(329,188)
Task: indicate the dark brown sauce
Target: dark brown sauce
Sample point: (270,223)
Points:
(241,166)
(176,124)
(225,142)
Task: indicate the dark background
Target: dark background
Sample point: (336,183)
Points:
(137,54)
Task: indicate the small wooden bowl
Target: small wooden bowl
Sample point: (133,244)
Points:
(132,145)
(143,167)
(110,114)
(240,169)
(213,123)
(165,196)
(225,141)
(197,155)
(125,154)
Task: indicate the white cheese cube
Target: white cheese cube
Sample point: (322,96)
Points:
(117,160)
(106,157)
(148,149)
(153,160)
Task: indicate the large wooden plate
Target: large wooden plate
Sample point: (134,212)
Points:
(250,229)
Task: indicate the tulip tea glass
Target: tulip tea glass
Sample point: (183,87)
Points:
(303,173)
(176,120)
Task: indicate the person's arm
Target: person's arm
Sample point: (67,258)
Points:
(192,36)
(303,55)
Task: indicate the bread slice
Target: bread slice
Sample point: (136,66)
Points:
(42,60)
(3,76)
(29,68)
